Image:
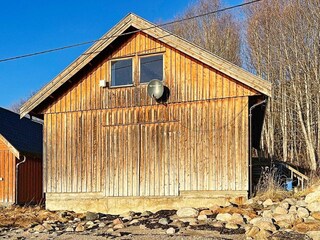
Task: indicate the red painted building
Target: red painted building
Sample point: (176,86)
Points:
(20,159)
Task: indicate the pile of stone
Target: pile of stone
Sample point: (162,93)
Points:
(290,218)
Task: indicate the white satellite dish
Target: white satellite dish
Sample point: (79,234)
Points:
(155,88)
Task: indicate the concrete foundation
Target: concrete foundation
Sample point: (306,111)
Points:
(97,202)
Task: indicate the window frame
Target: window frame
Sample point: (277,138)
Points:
(110,72)
(151,55)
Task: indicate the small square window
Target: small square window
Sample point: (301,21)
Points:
(151,68)
(121,72)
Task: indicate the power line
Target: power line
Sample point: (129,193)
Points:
(123,34)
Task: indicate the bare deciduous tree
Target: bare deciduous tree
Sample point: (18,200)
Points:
(284,47)
(218,33)
(15,107)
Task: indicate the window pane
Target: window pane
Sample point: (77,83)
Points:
(121,72)
(151,68)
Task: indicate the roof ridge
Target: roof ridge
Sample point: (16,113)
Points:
(156,31)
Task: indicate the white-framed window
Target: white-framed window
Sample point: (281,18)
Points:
(122,72)
(151,67)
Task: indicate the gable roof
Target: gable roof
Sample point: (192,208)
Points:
(164,36)
(22,136)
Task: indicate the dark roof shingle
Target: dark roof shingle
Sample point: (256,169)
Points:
(23,134)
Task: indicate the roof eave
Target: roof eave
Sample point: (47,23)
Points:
(170,39)
(12,149)
(76,65)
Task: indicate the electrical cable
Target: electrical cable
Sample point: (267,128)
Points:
(123,34)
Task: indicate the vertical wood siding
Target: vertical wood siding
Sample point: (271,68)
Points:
(30,181)
(29,178)
(151,151)
(121,142)
(187,78)
(7,173)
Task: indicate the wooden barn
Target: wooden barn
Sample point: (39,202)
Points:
(109,147)
(20,159)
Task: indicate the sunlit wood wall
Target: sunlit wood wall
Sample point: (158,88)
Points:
(121,142)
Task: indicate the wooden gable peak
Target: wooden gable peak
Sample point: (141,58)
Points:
(132,20)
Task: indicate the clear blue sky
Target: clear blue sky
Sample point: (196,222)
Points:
(36,25)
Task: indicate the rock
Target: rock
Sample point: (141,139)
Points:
(314,206)
(231,226)
(18,230)
(110,230)
(302,212)
(69,229)
(92,226)
(54,235)
(171,231)
(309,219)
(118,226)
(202,218)
(263,235)
(188,220)
(301,203)
(284,205)
(313,197)
(314,235)
(214,208)
(266,226)
(293,209)
(259,219)
(284,224)
(187,212)
(195,223)
(80,228)
(77,220)
(290,218)
(291,201)
(134,221)
(177,223)
(267,214)
(206,212)
(101,225)
(236,218)
(316,215)
(91,216)
(249,201)
(39,228)
(267,203)
(89,223)
(146,214)
(127,214)
(306,227)
(217,224)
(117,221)
(127,219)
(224,217)
(47,226)
(263,224)
(280,210)
(252,231)
(163,221)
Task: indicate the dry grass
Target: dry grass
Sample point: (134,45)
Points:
(270,185)
(312,185)
(25,217)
